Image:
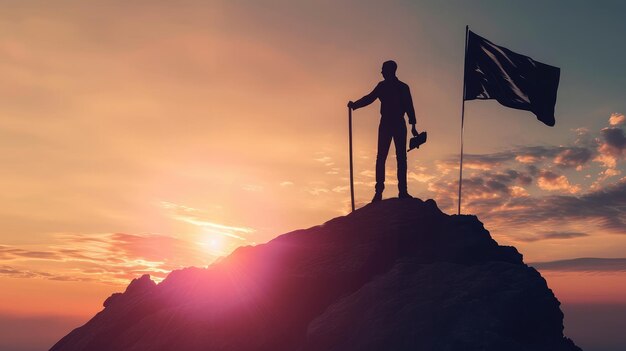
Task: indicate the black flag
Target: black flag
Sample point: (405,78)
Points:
(514,80)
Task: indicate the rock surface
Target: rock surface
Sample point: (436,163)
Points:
(396,275)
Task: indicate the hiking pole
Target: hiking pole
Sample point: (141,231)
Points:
(351,175)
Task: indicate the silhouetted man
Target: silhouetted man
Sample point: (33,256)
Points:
(395,101)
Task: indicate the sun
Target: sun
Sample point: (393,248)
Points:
(213,243)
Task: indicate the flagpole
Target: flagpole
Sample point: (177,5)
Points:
(351,173)
(462,119)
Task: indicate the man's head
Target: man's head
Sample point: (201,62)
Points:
(389,69)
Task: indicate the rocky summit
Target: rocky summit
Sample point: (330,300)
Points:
(394,275)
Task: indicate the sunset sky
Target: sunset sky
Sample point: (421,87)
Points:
(144,136)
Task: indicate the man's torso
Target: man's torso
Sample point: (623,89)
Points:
(391,94)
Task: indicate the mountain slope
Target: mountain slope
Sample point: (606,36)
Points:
(396,275)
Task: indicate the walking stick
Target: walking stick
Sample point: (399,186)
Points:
(351,175)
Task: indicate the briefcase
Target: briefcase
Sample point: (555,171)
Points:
(418,140)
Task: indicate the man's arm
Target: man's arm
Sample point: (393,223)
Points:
(366,100)
(410,110)
(408,105)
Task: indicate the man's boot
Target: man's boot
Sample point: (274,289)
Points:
(402,186)
(404,195)
(377,196)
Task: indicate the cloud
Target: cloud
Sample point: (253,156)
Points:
(420,177)
(520,191)
(8,253)
(478,161)
(485,185)
(12,253)
(252,187)
(506,200)
(201,219)
(605,207)
(317,191)
(323,159)
(551,181)
(583,265)
(614,137)
(616,119)
(526,159)
(611,150)
(553,235)
(574,157)
(108,257)
(13,272)
(341,188)
(562,156)
(154,248)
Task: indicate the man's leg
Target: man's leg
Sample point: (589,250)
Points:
(385,133)
(399,140)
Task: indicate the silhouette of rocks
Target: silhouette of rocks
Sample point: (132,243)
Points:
(395,275)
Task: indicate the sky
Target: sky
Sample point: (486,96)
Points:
(145,136)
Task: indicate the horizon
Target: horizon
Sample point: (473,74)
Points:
(146,137)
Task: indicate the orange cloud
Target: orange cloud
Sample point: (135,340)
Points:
(113,258)
(518,191)
(526,159)
(551,181)
(420,177)
(616,119)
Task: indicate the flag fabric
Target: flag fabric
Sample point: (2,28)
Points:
(514,80)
